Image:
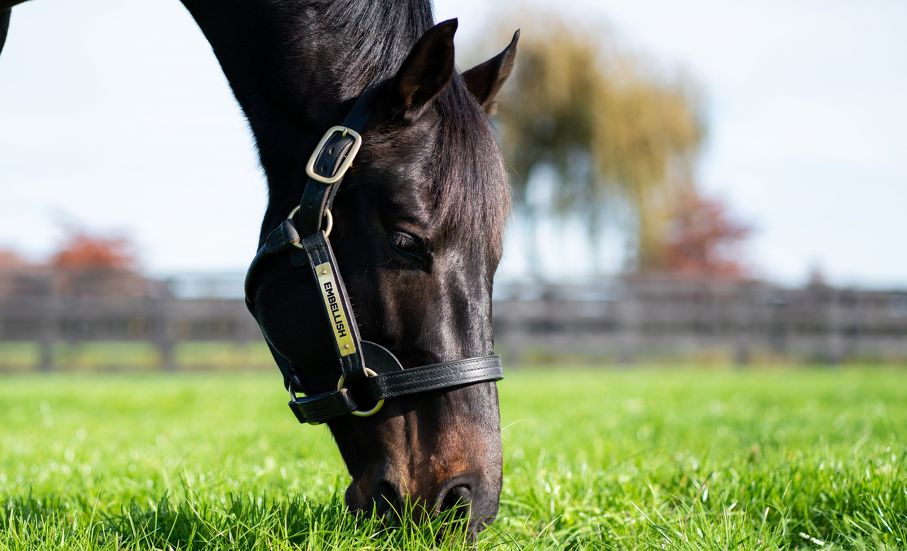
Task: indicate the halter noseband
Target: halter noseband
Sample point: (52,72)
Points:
(377,371)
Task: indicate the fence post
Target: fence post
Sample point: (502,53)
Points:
(834,341)
(48,333)
(629,320)
(779,322)
(743,312)
(163,333)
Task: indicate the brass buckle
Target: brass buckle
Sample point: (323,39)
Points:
(344,166)
(368,413)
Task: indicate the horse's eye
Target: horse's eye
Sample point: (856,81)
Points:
(407,245)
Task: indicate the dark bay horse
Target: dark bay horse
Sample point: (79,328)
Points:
(417,232)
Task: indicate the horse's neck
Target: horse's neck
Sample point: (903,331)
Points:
(252,41)
(291,65)
(299,60)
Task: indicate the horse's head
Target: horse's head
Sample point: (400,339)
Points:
(417,233)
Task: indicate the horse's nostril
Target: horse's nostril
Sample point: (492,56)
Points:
(386,498)
(458,496)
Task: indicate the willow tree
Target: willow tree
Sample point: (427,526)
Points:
(611,131)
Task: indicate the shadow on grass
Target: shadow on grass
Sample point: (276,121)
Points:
(234,522)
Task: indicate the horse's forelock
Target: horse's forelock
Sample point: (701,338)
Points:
(469,184)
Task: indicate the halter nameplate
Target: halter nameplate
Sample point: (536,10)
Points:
(334,307)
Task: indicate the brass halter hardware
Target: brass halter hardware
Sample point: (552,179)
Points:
(344,165)
(328,224)
(356,412)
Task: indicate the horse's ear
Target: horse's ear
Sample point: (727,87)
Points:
(486,79)
(426,70)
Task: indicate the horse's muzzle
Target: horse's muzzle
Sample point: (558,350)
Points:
(470,496)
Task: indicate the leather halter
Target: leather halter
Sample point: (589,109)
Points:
(374,369)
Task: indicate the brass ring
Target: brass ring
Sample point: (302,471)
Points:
(329,225)
(330,222)
(358,413)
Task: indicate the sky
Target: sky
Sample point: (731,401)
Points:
(115,115)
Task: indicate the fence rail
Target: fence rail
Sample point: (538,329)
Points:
(669,318)
(618,320)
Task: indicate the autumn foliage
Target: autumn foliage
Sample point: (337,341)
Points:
(703,239)
(83,264)
(11,260)
(84,251)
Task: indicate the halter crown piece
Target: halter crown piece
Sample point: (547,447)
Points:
(377,373)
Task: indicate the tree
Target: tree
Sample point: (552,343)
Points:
(703,239)
(85,251)
(612,132)
(11,261)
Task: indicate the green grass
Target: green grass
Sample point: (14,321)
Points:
(594,459)
(97,356)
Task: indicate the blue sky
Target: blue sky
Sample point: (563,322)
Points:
(116,115)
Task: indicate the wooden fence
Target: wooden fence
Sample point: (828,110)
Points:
(617,320)
(670,319)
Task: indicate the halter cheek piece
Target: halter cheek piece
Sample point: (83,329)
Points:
(372,367)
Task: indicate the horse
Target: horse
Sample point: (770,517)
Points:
(416,231)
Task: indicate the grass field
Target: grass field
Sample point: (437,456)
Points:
(593,459)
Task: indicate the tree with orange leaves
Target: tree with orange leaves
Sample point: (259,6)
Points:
(703,239)
(85,251)
(11,260)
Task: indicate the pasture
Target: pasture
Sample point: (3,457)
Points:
(648,458)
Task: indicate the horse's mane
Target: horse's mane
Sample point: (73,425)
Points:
(377,36)
(469,184)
